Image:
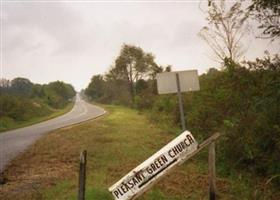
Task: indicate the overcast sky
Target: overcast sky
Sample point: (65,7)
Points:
(72,41)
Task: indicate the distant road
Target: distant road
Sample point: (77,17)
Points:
(16,141)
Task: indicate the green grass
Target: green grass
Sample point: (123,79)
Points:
(55,113)
(116,143)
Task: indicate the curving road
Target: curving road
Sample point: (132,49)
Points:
(16,141)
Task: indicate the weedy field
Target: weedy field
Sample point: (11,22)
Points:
(116,143)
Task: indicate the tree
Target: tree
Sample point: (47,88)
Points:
(267,13)
(96,87)
(58,93)
(37,91)
(21,87)
(4,86)
(226,27)
(132,65)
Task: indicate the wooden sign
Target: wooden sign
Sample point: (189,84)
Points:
(143,176)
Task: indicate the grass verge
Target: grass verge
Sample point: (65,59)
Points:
(116,143)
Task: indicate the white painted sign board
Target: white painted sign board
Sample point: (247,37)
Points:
(166,81)
(143,176)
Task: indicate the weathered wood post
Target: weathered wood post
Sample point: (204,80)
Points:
(212,172)
(2,178)
(82,175)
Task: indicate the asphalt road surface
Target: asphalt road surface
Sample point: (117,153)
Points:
(13,142)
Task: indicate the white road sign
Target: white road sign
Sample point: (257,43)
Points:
(188,80)
(143,176)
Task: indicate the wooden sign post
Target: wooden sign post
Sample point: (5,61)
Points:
(82,175)
(212,171)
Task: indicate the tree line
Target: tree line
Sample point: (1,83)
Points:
(22,100)
(132,74)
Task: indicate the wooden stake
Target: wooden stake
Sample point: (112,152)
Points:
(212,172)
(82,175)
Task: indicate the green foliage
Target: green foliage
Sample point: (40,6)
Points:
(21,100)
(58,93)
(241,101)
(145,90)
(127,79)
(5,123)
(17,108)
(21,87)
(96,87)
(38,91)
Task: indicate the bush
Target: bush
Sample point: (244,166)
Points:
(5,123)
(22,100)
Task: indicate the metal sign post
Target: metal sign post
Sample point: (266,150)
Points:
(183,121)
(178,82)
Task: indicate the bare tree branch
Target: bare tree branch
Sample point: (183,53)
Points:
(226,27)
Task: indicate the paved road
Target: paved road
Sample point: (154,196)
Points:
(16,141)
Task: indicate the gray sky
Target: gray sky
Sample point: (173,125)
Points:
(72,41)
